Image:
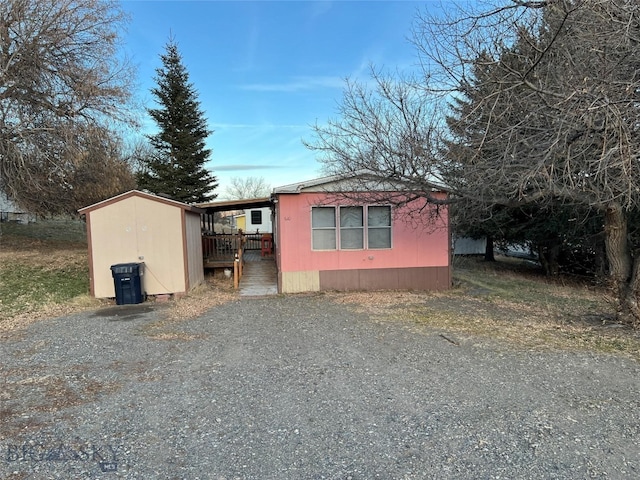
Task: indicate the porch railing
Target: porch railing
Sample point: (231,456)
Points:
(224,251)
(221,246)
(252,241)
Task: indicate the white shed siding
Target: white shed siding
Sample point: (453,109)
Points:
(138,230)
(264,226)
(140,227)
(469,246)
(194,249)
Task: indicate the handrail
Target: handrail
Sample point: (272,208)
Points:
(226,247)
(237,267)
(221,246)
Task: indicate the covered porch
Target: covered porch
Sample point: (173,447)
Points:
(221,250)
(249,256)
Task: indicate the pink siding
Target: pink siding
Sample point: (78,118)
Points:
(411,247)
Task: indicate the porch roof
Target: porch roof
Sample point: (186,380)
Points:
(228,205)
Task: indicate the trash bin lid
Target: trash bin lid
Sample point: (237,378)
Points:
(127,268)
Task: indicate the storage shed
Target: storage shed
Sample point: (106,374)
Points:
(142,227)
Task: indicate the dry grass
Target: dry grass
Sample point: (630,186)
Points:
(12,323)
(509,304)
(215,291)
(46,393)
(43,274)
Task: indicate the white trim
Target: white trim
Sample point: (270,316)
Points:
(335,228)
(352,182)
(365,228)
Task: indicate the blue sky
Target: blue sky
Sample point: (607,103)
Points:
(267,70)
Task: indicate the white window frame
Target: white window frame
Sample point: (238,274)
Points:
(361,228)
(334,229)
(365,228)
(386,227)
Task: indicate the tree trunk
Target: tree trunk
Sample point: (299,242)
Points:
(631,310)
(549,256)
(488,250)
(624,272)
(600,268)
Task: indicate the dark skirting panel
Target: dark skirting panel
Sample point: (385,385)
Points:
(417,278)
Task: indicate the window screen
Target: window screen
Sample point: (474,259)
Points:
(379,227)
(351,228)
(323,228)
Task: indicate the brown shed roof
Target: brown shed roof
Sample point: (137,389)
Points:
(138,193)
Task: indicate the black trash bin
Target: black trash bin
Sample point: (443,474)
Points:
(127,280)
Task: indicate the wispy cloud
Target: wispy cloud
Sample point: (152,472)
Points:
(297,84)
(247,56)
(244,167)
(259,126)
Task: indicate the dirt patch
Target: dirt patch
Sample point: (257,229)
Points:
(121,313)
(216,290)
(534,313)
(30,392)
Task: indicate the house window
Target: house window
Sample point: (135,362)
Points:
(358,226)
(351,228)
(379,227)
(323,228)
(256,217)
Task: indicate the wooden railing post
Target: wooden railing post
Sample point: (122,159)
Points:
(236,272)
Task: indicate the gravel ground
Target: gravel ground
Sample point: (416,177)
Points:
(299,387)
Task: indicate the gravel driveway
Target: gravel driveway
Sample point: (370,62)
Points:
(300,387)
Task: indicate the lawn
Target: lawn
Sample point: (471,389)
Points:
(44,273)
(510,302)
(43,270)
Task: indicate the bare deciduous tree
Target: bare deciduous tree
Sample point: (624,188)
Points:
(247,187)
(63,91)
(522,103)
(92,172)
(560,123)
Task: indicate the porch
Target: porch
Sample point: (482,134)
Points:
(255,269)
(260,276)
(250,257)
(220,250)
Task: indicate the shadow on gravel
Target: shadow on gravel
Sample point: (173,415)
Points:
(121,313)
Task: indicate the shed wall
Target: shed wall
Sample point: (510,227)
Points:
(241,222)
(469,246)
(137,229)
(264,227)
(194,249)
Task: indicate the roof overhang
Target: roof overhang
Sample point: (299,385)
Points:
(138,193)
(359,181)
(229,205)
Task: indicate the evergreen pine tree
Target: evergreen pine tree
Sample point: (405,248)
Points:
(177,167)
